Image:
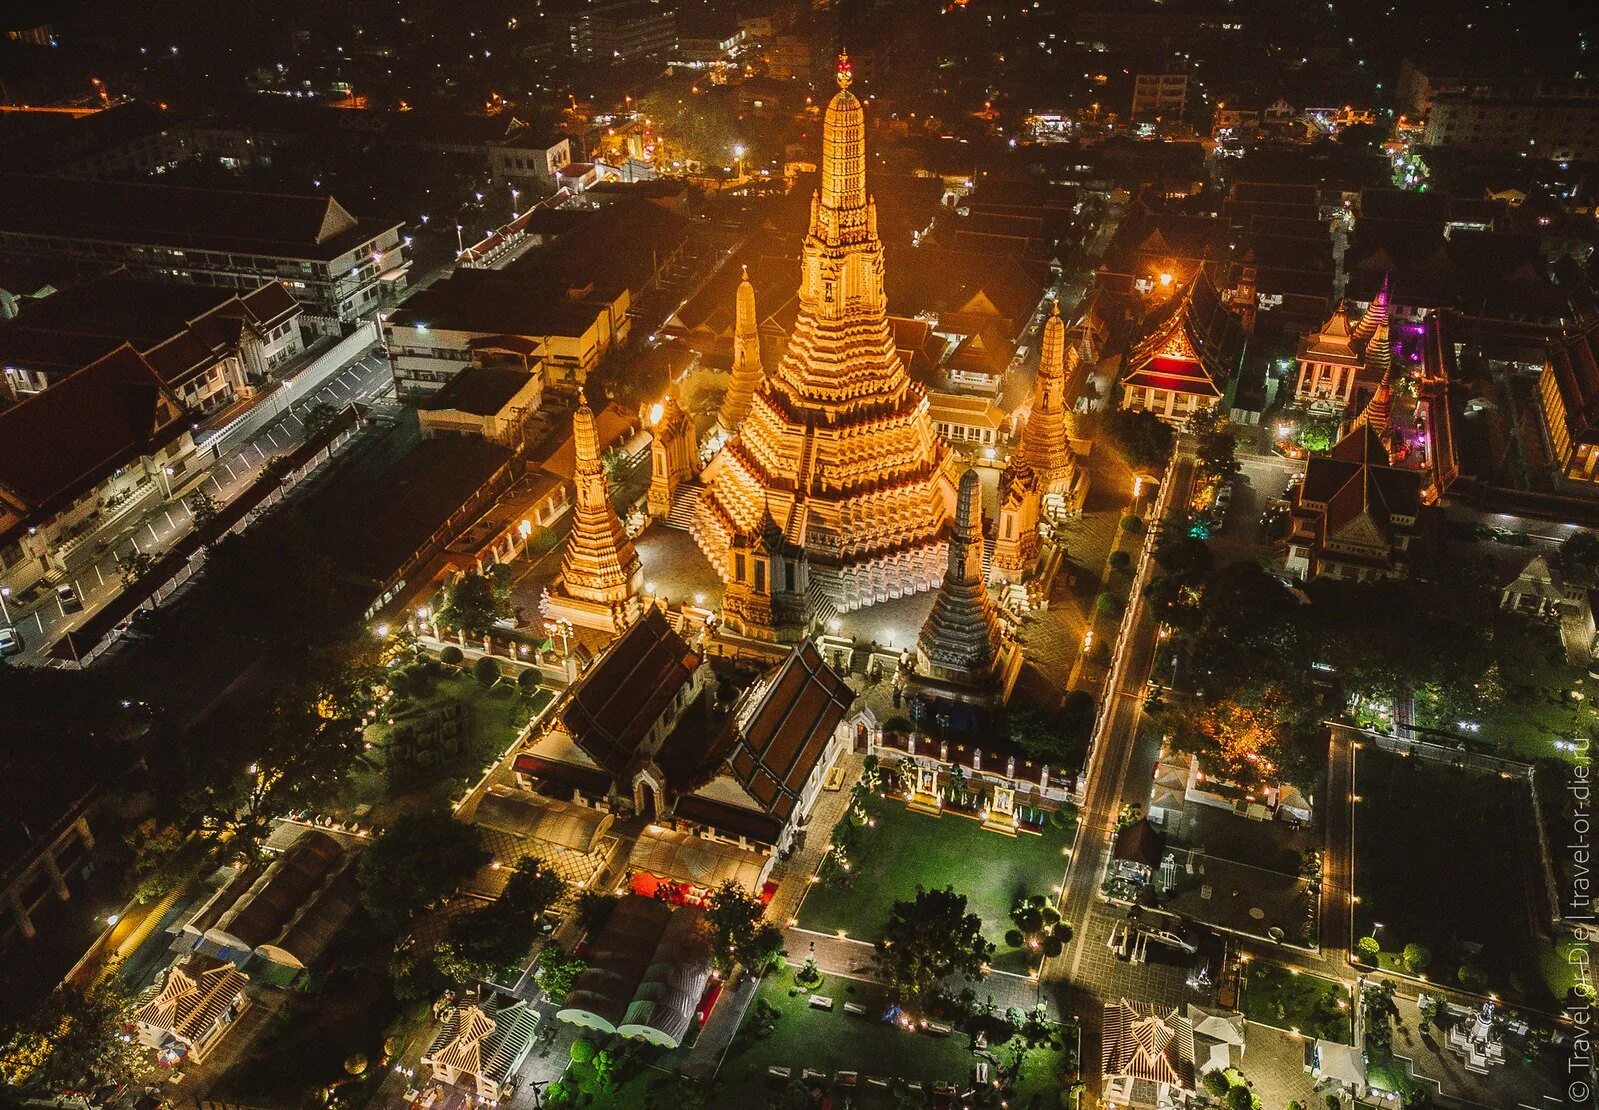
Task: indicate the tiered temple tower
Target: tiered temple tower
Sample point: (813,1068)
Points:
(747,370)
(1016,542)
(672,454)
(962,648)
(837,452)
(1045,448)
(600,571)
(1378,413)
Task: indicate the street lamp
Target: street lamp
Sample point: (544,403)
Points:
(738,156)
(5,611)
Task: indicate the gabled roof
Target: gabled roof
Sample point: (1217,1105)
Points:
(61,443)
(488,1039)
(197,991)
(612,707)
(1147,1042)
(1194,346)
(274,224)
(786,732)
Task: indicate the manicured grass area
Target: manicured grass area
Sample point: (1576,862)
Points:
(793,1035)
(906,849)
(1536,709)
(490,720)
(1307,1004)
(1445,858)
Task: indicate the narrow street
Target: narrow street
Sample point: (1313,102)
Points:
(98,579)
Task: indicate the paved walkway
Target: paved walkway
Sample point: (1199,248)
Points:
(793,879)
(793,875)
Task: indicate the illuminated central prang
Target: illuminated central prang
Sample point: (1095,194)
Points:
(835,492)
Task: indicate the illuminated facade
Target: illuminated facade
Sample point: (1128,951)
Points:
(1045,447)
(600,570)
(836,472)
(1182,366)
(1568,396)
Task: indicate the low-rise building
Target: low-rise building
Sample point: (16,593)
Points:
(1355,514)
(482,1045)
(187,1013)
(1568,398)
(212,347)
(1186,361)
(492,403)
(646,973)
(440,331)
(338,267)
(1153,1057)
(83,455)
(975,425)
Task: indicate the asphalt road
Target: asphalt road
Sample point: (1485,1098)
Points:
(97,581)
(1117,770)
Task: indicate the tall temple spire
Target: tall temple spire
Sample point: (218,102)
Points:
(1378,412)
(837,443)
(961,637)
(1044,446)
(1376,314)
(747,371)
(600,567)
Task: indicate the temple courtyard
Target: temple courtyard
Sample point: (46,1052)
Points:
(902,849)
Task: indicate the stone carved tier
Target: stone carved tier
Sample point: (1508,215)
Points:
(600,571)
(836,453)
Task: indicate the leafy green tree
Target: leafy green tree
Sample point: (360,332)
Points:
(1368,949)
(1143,438)
(487,942)
(318,419)
(135,566)
(1240,1098)
(1217,447)
(739,932)
(486,671)
(470,605)
(1215,1083)
(75,1038)
(1057,737)
(927,939)
(557,971)
(1417,957)
(202,508)
(418,859)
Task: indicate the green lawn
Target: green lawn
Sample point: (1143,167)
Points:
(830,1042)
(1536,708)
(1443,858)
(906,849)
(1307,1004)
(491,719)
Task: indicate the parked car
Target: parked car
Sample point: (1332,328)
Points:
(11,641)
(69,599)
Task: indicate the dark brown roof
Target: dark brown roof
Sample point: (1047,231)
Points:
(479,390)
(180,329)
(614,704)
(1140,842)
(786,737)
(58,444)
(1573,361)
(272,224)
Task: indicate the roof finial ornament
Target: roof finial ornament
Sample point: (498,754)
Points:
(846,72)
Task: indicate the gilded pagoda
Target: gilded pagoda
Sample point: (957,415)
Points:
(598,586)
(836,472)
